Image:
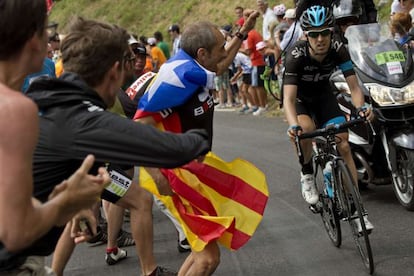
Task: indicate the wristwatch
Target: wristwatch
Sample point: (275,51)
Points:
(241,36)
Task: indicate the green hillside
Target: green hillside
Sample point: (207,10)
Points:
(144,17)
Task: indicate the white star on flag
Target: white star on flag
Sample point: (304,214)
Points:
(167,75)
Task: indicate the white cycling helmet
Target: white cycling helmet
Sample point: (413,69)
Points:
(279,9)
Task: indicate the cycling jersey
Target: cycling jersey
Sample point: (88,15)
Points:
(314,94)
(73,123)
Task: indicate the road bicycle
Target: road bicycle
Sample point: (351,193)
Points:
(339,198)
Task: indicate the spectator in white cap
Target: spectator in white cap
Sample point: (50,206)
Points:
(158,57)
(132,41)
(292,34)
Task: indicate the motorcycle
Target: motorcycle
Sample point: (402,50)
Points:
(383,151)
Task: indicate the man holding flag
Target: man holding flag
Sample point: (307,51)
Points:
(178,99)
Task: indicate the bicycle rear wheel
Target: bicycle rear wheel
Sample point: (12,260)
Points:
(350,196)
(328,210)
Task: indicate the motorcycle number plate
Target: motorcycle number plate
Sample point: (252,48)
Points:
(389,56)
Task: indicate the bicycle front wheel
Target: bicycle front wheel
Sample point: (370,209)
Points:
(328,210)
(353,212)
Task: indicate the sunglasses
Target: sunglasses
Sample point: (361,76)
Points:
(316,34)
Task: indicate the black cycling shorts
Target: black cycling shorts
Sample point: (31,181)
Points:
(320,108)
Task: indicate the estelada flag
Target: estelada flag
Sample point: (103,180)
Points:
(178,79)
(215,200)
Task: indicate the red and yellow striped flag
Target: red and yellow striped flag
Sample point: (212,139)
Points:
(215,200)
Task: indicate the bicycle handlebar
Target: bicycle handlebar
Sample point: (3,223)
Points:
(332,129)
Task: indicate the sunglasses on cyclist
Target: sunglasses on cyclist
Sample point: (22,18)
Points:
(316,34)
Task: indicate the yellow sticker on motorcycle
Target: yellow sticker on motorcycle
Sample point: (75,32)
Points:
(390,56)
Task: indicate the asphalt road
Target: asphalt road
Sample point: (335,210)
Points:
(290,240)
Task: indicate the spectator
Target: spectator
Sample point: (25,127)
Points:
(259,95)
(240,19)
(282,25)
(157,55)
(174,31)
(400,25)
(402,6)
(24,218)
(222,81)
(162,45)
(268,18)
(48,69)
(244,70)
(144,42)
(203,54)
(293,34)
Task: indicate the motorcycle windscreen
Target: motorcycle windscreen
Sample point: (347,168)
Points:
(377,55)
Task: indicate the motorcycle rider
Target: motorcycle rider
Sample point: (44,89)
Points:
(308,100)
(346,13)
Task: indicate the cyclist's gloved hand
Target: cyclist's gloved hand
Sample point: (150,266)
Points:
(294,130)
(366,111)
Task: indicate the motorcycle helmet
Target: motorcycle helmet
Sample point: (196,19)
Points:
(347,8)
(316,17)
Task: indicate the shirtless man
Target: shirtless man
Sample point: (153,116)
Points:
(23,219)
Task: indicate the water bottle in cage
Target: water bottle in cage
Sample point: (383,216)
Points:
(327,176)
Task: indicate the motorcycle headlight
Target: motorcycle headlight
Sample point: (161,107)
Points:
(385,96)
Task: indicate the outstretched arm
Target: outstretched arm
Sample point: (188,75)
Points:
(234,45)
(122,141)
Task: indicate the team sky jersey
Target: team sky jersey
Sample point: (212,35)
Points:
(73,123)
(310,75)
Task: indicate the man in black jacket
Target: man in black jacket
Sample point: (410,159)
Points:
(74,122)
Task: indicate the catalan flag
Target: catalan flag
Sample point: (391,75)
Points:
(215,200)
